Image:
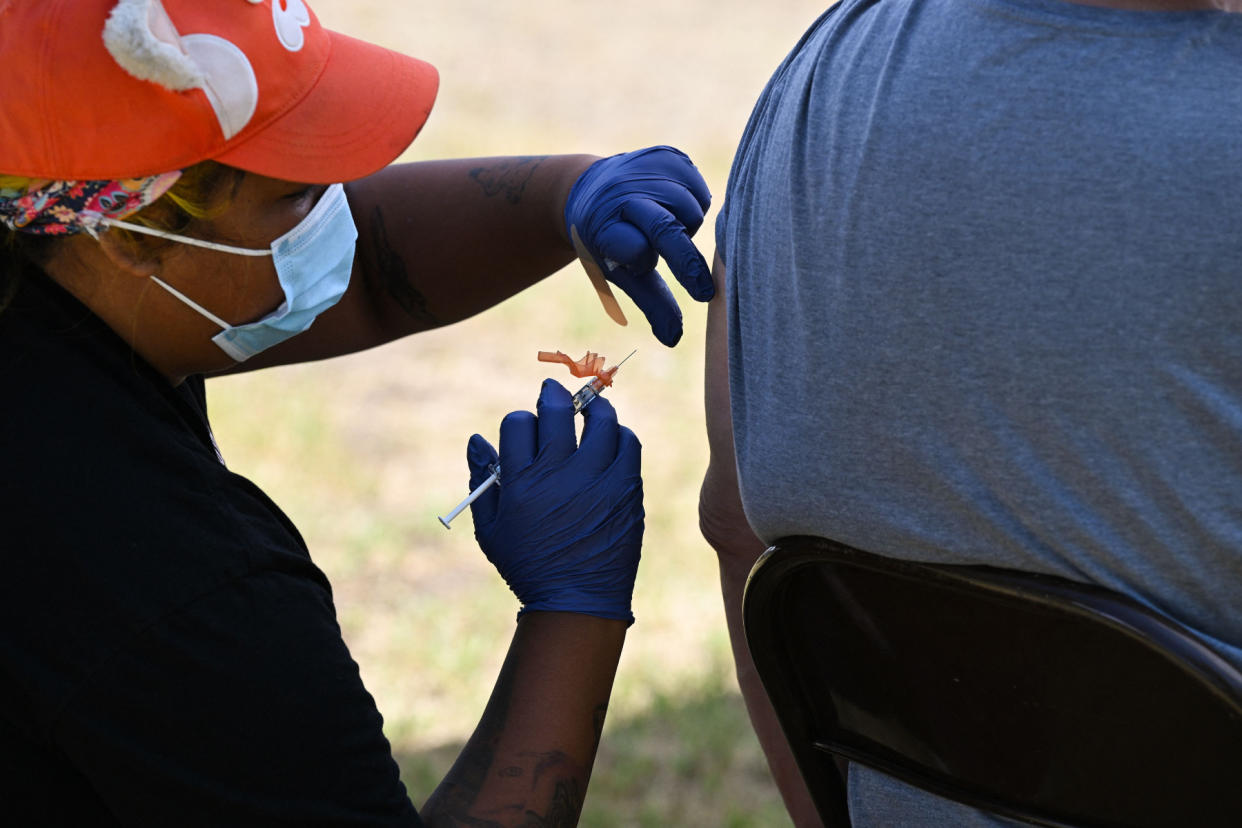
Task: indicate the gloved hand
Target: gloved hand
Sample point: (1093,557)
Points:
(632,208)
(565,525)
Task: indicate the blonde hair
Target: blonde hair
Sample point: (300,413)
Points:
(15,182)
(203,191)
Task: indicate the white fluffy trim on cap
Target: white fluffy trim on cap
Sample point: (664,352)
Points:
(143,40)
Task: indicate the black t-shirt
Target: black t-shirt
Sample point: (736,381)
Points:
(169,655)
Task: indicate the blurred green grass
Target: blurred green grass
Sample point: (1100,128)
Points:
(363,452)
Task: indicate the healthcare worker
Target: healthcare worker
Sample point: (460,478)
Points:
(171,205)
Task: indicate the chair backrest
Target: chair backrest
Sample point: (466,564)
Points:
(1024,695)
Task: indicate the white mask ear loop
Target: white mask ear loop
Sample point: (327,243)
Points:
(224,248)
(195,305)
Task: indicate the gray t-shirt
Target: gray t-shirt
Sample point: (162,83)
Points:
(985,301)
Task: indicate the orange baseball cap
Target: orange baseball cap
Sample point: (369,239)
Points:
(115,89)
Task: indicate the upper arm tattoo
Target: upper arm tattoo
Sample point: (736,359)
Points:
(508,177)
(391,269)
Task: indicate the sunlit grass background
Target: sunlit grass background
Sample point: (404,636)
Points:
(363,452)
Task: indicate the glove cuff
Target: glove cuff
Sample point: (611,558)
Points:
(581,183)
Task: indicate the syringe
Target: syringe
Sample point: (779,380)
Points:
(585,396)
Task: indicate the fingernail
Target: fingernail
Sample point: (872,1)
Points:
(477,452)
(671,336)
(546,389)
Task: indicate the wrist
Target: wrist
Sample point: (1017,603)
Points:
(620,616)
(574,167)
(575,626)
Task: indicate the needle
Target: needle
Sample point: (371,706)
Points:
(585,396)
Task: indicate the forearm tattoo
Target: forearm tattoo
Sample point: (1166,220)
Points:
(508,178)
(452,803)
(391,270)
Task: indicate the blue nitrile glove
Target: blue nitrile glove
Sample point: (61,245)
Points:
(632,208)
(565,525)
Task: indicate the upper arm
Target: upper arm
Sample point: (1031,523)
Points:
(721,518)
(716,381)
(438,242)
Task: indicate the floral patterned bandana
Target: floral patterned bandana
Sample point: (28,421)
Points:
(52,208)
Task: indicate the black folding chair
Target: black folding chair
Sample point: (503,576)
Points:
(1024,695)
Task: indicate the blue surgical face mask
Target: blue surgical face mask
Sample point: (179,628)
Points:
(313,262)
